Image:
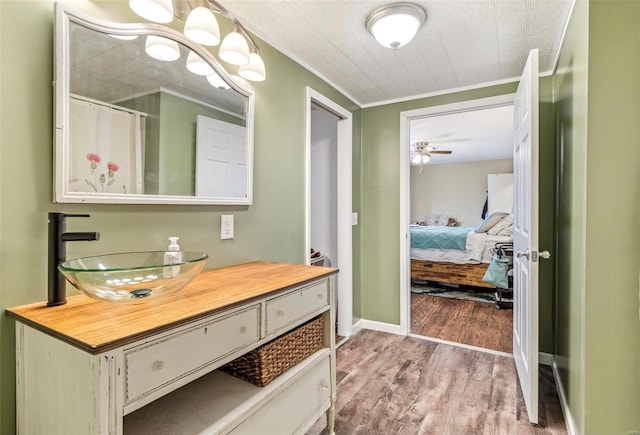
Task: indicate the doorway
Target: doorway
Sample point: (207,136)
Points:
(328,199)
(463,172)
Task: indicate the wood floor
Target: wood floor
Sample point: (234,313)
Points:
(392,384)
(461,321)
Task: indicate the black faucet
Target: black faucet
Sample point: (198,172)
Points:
(58,236)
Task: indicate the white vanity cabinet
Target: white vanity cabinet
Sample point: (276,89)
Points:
(92,367)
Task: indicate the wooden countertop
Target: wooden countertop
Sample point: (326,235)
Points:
(97,326)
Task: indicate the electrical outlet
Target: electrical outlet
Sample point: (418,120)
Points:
(226,226)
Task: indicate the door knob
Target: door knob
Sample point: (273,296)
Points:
(544,254)
(520,254)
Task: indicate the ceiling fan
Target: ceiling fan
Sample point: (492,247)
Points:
(420,153)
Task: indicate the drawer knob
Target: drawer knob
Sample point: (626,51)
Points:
(324,385)
(320,295)
(279,313)
(243,329)
(158,365)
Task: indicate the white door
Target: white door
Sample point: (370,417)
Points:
(221,149)
(525,262)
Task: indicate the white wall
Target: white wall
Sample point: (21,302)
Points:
(457,189)
(324,184)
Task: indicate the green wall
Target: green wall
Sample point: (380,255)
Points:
(381,203)
(598,322)
(271,229)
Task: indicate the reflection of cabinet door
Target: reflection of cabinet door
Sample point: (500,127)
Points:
(221,159)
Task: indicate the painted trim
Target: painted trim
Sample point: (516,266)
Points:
(563,38)
(546,359)
(450,91)
(566,411)
(405,190)
(462,345)
(382,327)
(344,202)
(357,326)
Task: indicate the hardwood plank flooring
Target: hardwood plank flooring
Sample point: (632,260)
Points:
(462,321)
(391,384)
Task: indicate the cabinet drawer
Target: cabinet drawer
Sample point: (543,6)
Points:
(294,406)
(155,364)
(292,307)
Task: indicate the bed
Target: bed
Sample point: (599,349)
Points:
(457,255)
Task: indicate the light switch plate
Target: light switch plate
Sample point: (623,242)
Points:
(354,218)
(226,226)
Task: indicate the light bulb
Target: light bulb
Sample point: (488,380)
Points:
(254,70)
(234,49)
(202,27)
(162,48)
(198,65)
(158,11)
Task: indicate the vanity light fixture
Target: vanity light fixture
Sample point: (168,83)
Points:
(201,26)
(158,11)
(197,65)
(162,48)
(234,48)
(216,81)
(124,37)
(254,70)
(396,24)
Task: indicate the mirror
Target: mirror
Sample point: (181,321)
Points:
(131,128)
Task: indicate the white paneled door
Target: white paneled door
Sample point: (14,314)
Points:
(525,262)
(221,148)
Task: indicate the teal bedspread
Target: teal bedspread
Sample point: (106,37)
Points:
(439,237)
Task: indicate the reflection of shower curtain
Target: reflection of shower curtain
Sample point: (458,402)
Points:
(105,149)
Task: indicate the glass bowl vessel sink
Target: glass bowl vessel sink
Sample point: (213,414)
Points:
(132,276)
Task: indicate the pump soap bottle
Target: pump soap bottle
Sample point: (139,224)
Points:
(172,256)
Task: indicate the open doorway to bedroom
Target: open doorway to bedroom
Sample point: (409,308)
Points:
(460,199)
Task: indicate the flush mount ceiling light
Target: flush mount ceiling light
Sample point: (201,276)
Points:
(396,24)
(201,26)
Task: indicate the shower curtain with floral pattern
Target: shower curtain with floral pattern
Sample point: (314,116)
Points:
(106,149)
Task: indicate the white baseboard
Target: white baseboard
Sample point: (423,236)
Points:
(356,326)
(382,327)
(545,359)
(568,419)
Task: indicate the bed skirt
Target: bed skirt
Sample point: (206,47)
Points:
(465,274)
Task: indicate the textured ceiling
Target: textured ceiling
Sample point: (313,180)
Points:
(485,134)
(464,43)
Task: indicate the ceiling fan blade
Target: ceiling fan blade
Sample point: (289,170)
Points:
(439,152)
(462,139)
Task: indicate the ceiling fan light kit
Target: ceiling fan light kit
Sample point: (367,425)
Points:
(396,24)
(238,47)
(420,153)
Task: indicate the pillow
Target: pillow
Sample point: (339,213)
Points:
(436,220)
(501,226)
(489,222)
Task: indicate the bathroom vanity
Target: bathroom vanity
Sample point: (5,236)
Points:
(92,367)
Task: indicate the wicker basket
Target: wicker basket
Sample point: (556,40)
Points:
(265,363)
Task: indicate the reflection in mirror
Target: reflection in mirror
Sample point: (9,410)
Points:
(134,127)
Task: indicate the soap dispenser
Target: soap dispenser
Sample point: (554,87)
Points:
(173,255)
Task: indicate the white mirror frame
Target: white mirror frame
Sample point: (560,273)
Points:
(61,113)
